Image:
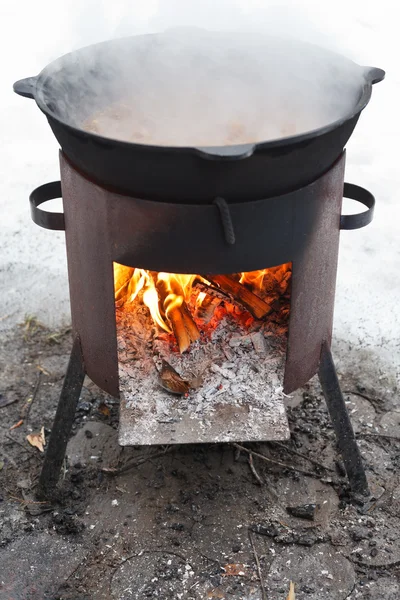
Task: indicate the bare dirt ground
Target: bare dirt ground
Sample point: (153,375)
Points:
(192,522)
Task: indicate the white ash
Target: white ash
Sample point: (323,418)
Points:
(236,379)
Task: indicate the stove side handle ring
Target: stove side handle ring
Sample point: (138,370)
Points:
(355,192)
(43,218)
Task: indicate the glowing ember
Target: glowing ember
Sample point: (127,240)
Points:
(184,305)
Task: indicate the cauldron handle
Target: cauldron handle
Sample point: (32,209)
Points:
(25,87)
(375,75)
(227,153)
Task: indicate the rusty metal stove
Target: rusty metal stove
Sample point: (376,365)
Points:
(103,226)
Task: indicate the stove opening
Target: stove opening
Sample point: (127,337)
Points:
(209,348)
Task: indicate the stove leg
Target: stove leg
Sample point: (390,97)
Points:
(63,421)
(342,424)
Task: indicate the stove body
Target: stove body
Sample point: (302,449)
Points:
(103,226)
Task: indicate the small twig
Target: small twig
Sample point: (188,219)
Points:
(22,501)
(275,462)
(43,370)
(73,572)
(26,448)
(263,592)
(135,463)
(311,460)
(378,435)
(6,316)
(5,402)
(76,569)
(369,398)
(19,443)
(253,470)
(236,455)
(25,410)
(211,560)
(291,592)
(195,584)
(389,565)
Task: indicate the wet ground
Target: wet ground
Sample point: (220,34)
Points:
(192,522)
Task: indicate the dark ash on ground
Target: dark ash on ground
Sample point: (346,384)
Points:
(177,525)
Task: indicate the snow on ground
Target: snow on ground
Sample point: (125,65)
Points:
(32,260)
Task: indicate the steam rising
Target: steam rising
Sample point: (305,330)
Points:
(192,87)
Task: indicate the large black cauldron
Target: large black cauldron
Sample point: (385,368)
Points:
(72,88)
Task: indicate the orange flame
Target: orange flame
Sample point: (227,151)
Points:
(253,278)
(150,299)
(164,292)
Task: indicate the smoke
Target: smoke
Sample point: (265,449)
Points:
(94,20)
(220,74)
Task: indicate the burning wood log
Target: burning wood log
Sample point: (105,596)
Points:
(211,291)
(171,381)
(178,315)
(122,278)
(206,309)
(189,323)
(175,317)
(239,294)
